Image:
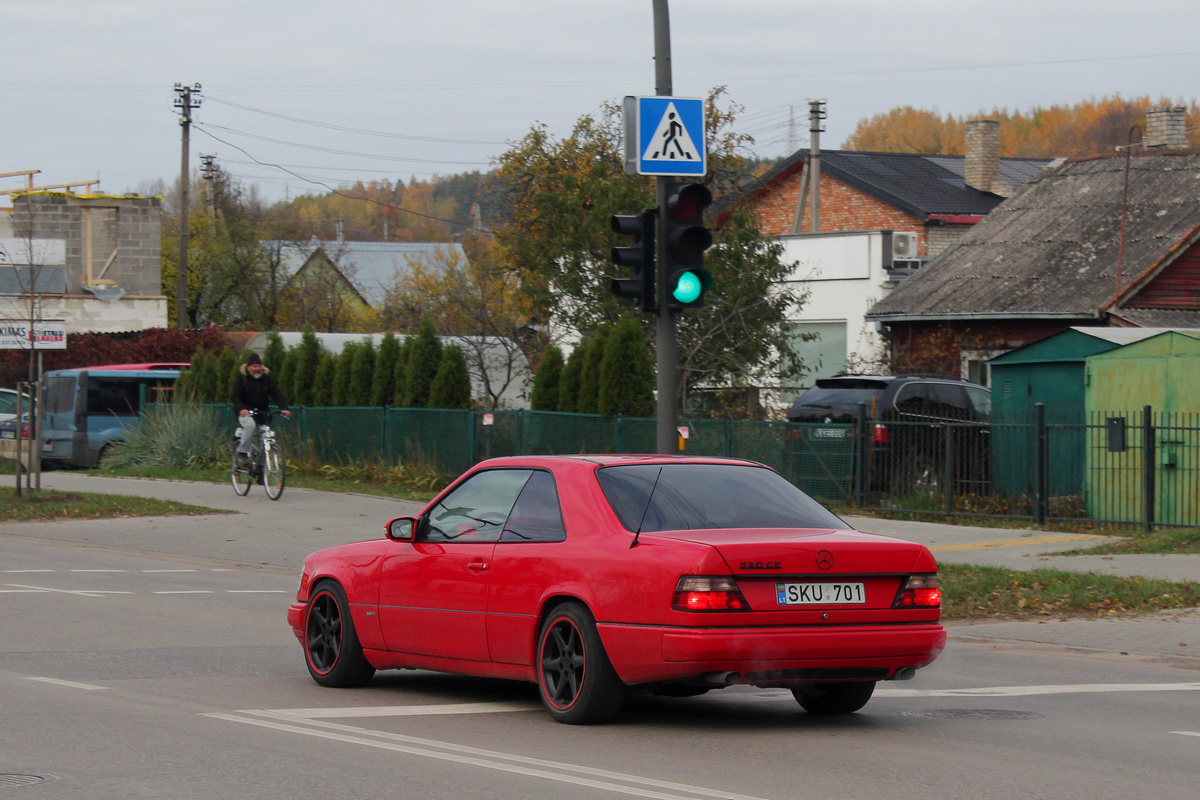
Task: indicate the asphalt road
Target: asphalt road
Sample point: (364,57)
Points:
(150,658)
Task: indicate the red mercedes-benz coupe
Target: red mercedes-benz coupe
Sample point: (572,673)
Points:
(595,576)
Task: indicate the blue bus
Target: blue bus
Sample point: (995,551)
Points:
(86,409)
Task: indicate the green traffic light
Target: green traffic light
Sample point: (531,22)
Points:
(689,288)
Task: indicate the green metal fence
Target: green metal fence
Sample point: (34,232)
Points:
(808,455)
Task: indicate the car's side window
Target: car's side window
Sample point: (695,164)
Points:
(948,401)
(476,510)
(981,401)
(910,399)
(537,516)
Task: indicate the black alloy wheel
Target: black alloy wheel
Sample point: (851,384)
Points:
(576,681)
(332,651)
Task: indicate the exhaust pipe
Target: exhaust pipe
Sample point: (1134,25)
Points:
(905,674)
(726,678)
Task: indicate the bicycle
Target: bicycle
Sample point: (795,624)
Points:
(266,464)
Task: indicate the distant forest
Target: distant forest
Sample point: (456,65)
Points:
(446,207)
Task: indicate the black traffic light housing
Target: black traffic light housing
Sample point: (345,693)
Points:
(686,240)
(639,258)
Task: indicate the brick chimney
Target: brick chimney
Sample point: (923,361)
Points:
(983,157)
(1166,128)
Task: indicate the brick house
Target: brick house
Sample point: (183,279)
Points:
(934,196)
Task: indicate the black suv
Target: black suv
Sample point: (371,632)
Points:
(911,416)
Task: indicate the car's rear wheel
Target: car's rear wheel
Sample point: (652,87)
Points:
(833,698)
(577,682)
(331,648)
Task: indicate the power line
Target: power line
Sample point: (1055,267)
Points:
(334,150)
(334,191)
(363,131)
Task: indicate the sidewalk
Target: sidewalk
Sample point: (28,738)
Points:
(277,535)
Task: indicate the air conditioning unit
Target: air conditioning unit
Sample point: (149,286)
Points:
(904,246)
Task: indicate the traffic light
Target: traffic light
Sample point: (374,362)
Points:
(686,240)
(638,257)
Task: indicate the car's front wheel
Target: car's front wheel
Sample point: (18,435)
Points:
(577,682)
(833,698)
(331,648)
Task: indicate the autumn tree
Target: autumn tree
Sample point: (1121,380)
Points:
(233,278)
(470,298)
(559,243)
(1088,128)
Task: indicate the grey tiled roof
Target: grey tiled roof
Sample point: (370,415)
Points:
(374,266)
(1051,250)
(919,185)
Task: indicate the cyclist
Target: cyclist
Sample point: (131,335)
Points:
(253,391)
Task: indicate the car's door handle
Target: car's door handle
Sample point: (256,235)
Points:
(478,566)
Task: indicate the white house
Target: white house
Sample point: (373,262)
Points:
(844,274)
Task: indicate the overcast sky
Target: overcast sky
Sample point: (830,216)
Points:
(348,90)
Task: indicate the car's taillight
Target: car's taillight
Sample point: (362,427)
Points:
(708,593)
(919,591)
(881,434)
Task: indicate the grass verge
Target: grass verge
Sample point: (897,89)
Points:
(1169,541)
(973,592)
(44,505)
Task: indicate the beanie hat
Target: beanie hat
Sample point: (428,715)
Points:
(254,358)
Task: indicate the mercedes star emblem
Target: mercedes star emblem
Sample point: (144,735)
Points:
(824,559)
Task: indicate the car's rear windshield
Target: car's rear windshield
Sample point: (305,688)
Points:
(671,497)
(842,393)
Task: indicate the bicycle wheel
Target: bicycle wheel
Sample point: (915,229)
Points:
(274,471)
(240,475)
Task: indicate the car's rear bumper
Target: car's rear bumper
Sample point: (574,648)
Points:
(643,654)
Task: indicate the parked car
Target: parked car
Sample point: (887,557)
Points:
(910,417)
(87,409)
(597,576)
(8,403)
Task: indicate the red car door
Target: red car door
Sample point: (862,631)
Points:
(434,592)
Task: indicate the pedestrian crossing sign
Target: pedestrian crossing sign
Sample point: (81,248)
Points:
(665,136)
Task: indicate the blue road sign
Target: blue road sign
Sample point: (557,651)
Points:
(669,137)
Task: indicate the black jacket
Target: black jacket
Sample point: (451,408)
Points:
(255,394)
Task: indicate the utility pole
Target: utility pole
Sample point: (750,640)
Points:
(209,173)
(816,116)
(186,98)
(666,345)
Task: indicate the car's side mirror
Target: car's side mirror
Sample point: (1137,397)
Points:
(402,529)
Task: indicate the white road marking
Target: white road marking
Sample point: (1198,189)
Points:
(54,591)
(168,570)
(99,570)
(487,759)
(1186,733)
(186,591)
(1025,691)
(258,591)
(362,712)
(69,684)
(22,571)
